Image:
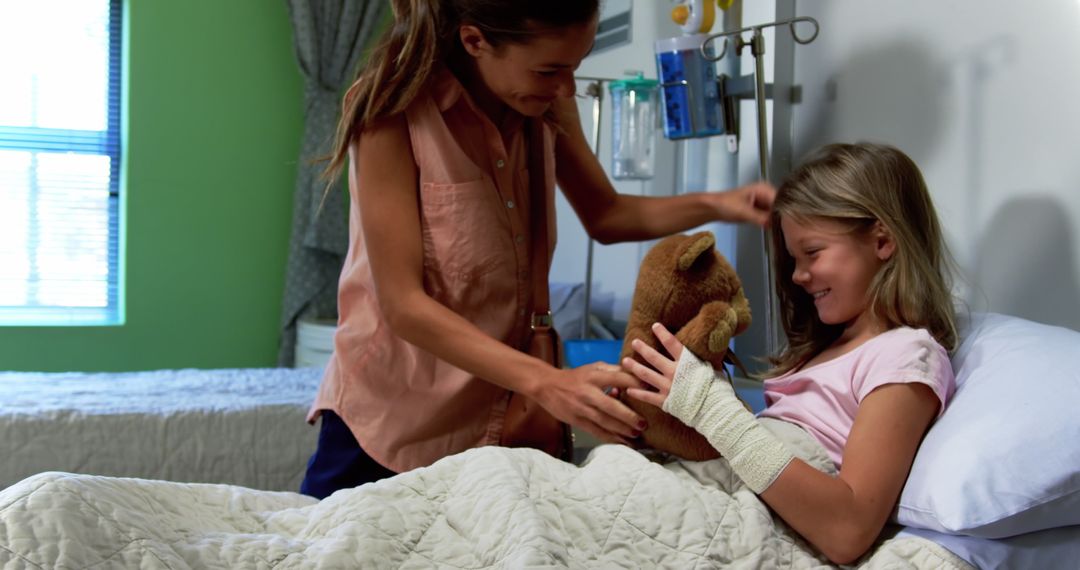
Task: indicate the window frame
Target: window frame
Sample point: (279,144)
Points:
(103,143)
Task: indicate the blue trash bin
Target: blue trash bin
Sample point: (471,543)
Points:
(586,351)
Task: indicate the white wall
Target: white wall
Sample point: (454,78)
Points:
(984,97)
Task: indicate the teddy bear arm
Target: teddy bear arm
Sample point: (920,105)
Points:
(709,332)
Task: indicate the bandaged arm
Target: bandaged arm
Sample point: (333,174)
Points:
(708,404)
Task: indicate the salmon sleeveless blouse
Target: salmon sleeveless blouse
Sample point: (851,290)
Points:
(406,407)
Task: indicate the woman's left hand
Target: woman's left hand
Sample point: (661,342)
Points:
(662,373)
(751,203)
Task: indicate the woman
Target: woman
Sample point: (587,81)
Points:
(455,133)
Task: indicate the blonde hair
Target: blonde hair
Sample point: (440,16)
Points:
(423,36)
(857,186)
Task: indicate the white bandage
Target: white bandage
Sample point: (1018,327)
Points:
(706,402)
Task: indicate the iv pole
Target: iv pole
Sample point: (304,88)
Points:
(595,90)
(737,89)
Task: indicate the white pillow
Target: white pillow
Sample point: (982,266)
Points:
(1004,458)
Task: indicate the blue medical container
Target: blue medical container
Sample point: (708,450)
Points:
(688,88)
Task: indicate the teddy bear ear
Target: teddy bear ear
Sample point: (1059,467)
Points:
(697,245)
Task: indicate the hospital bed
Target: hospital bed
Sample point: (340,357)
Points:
(184,433)
(234,426)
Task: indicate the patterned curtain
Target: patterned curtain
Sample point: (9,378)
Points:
(329,37)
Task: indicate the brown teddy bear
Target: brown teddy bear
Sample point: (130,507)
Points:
(685,284)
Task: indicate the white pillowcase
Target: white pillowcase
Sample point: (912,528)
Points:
(1004,458)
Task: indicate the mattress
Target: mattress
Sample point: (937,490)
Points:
(232,426)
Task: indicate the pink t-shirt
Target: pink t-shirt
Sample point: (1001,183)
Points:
(825,397)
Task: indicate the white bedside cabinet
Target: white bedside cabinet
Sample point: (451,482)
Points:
(314,342)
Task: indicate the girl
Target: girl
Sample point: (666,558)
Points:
(455,134)
(868,315)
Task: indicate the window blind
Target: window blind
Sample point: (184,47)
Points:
(60,162)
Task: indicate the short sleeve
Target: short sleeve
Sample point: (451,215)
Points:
(903,356)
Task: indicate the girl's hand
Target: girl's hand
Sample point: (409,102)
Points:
(662,373)
(750,203)
(580,397)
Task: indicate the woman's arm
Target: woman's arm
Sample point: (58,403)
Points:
(841,516)
(611,217)
(386,180)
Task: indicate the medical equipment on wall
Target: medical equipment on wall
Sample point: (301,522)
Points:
(697,102)
(694,101)
(690,91)
(633,122)
(634,101)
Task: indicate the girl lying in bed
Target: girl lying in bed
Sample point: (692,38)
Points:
(869,319)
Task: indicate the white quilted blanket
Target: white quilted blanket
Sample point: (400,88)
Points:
(485,508)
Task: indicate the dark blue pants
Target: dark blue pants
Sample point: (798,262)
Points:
(339,462)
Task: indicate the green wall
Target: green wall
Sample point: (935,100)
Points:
(215,111)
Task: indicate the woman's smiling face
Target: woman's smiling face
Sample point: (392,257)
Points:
(529,77)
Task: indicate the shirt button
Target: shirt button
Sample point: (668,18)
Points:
(510,204)
(519,238)
(500,163)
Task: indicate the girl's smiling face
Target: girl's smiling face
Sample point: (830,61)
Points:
(836,267)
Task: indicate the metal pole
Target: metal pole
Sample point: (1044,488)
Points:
(757,48)
(596,91)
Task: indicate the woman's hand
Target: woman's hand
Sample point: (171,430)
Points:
(751,203)
(579,397)
(662,373)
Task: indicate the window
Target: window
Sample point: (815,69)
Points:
(60,161)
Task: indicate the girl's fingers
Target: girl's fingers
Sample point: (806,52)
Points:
(661,363)
(653,398)
(671,344)
(647,375)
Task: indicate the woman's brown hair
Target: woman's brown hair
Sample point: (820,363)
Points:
(424,35)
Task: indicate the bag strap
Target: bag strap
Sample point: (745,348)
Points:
(541,303)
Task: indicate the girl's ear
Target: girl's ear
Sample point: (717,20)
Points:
(473,40)
(884,244)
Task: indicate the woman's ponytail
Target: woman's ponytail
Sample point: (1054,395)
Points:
(396,71)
